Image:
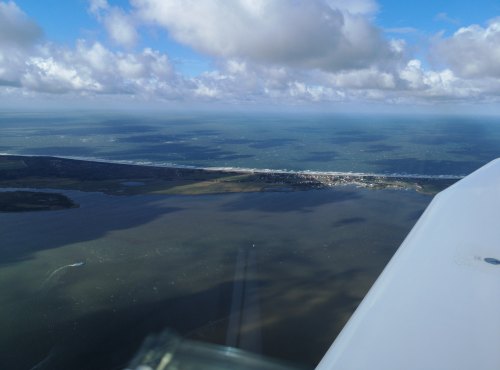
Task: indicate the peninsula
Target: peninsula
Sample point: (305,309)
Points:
(36,172)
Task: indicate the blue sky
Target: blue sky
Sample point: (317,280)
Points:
(424,15)
(245,52)
(66,21)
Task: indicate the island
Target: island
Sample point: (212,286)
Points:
(26,201)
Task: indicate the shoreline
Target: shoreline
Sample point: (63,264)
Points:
(244,170)
(114,177)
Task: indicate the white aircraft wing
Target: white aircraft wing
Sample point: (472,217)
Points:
(436,306)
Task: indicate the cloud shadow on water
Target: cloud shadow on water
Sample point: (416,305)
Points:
(98,215)
(109,339)
(320,156)
(176,152)
(237,141)
(334,307)
(70,151)
(355,136)
(350,221)
(204,132)
(298,201)
(381,148)
(271,143)
(424,166)
(99,130)
(204,316)
(152,139)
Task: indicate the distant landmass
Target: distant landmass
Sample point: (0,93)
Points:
(127,179)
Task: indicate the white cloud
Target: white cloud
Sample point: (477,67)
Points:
(119,25)
(11,65)
(35,66)
(47,74)
(241,81)
(325,34)
(442,85)
(363,7)
(444,17)
(432,82)
(16,29)
(370,78)
(313,93)
(401,30)
(472,52)
(96,6)
(91,68)
(411,84)
(18,36)
(327,57)
(120,28)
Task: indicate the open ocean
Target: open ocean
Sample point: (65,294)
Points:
(275,274)
(424,145)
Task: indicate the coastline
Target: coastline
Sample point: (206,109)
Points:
(129,255)
(119,178)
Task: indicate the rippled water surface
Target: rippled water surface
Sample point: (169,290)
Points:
(83,287)
(412,145)
(276,274)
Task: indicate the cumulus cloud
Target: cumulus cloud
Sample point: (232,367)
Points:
(369,78)
(412,83)
(266,51)
(18,35)
(119,25)
(472,52)
(364,7)
(91,68)
(34,65)
(418,84)
(325,34)
(120,28)
(430,83)
(96,6)
(16,29)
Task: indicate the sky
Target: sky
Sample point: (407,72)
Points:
(310,54)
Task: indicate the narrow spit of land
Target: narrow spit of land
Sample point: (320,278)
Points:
(128,179)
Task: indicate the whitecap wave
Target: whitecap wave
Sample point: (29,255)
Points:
(147,163)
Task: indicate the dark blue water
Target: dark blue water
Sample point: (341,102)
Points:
(425,145)
(288,268)
(83,288)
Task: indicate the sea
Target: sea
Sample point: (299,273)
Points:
(207,279)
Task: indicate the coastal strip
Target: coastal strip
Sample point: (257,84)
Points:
(127,179)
